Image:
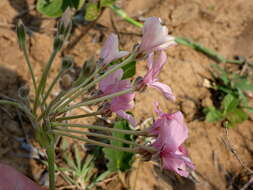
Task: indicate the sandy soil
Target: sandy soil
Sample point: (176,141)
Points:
(225,26)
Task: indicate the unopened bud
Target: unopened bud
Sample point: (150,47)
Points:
(105,110)
(58,42)
(23,91)
(139,84)
(21,34)
(65,24)
(67,63)
(86,71)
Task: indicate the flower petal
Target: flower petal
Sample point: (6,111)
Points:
(126,116)
(172,133)
(165,89)
(108,83)
(110,50)
(155,36)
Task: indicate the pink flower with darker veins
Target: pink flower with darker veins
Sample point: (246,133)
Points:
(171,131)
(154,68)
(155,36)
(118,104)
(110,50)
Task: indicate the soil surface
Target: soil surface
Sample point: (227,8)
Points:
(225,26)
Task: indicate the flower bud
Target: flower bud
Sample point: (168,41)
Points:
(139,85)
(21,34)
(58,42)
(65,24)
(23,91)
(67,63)
(86,71)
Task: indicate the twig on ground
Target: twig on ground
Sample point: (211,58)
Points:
(233,151)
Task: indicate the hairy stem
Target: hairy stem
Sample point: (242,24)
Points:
(96,100)
(51,165)
(109,137)
(113,69)
(27,59)
(125,149)
(130,132)
(43,80)
(78,116)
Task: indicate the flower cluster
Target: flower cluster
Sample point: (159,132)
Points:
(169,130)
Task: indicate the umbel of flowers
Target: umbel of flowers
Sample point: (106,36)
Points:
(113,94)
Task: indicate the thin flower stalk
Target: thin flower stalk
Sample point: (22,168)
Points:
(78,116)
(107,73)
(94,101)
(56,79)
(109,137)
(43,79)
(125,149)
(62,97)
(96,127)
(27,59)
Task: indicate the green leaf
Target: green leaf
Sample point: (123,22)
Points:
(213,115)
(223,75)
(52,8)
(118,160)
(92,11)
(243,84)
(129,70)
(229,103)
(250,109)
(77,4)
(107,3)
(237,116)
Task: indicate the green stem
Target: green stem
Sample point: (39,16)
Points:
(124,15)
(78,116)
(130,132)
(52,86)
(64,96)
(125,149)
(116,67)
(43,79)
(96,100)
(30,67)
(109,137)
(51,165)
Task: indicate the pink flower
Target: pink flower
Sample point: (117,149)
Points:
(155,36)
(110,50)
(118,104)
(171,131)
(154,69)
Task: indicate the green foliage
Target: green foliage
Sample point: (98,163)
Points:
(118,160)
(129,70)
(55,8)
(232,88)
(92,11)
(80,170)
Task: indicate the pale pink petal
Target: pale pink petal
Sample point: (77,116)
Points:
(155,36)
(123,102)
(165,89)
(176,165)
(110,50)
(108,82)
(172,133)
(126,116)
